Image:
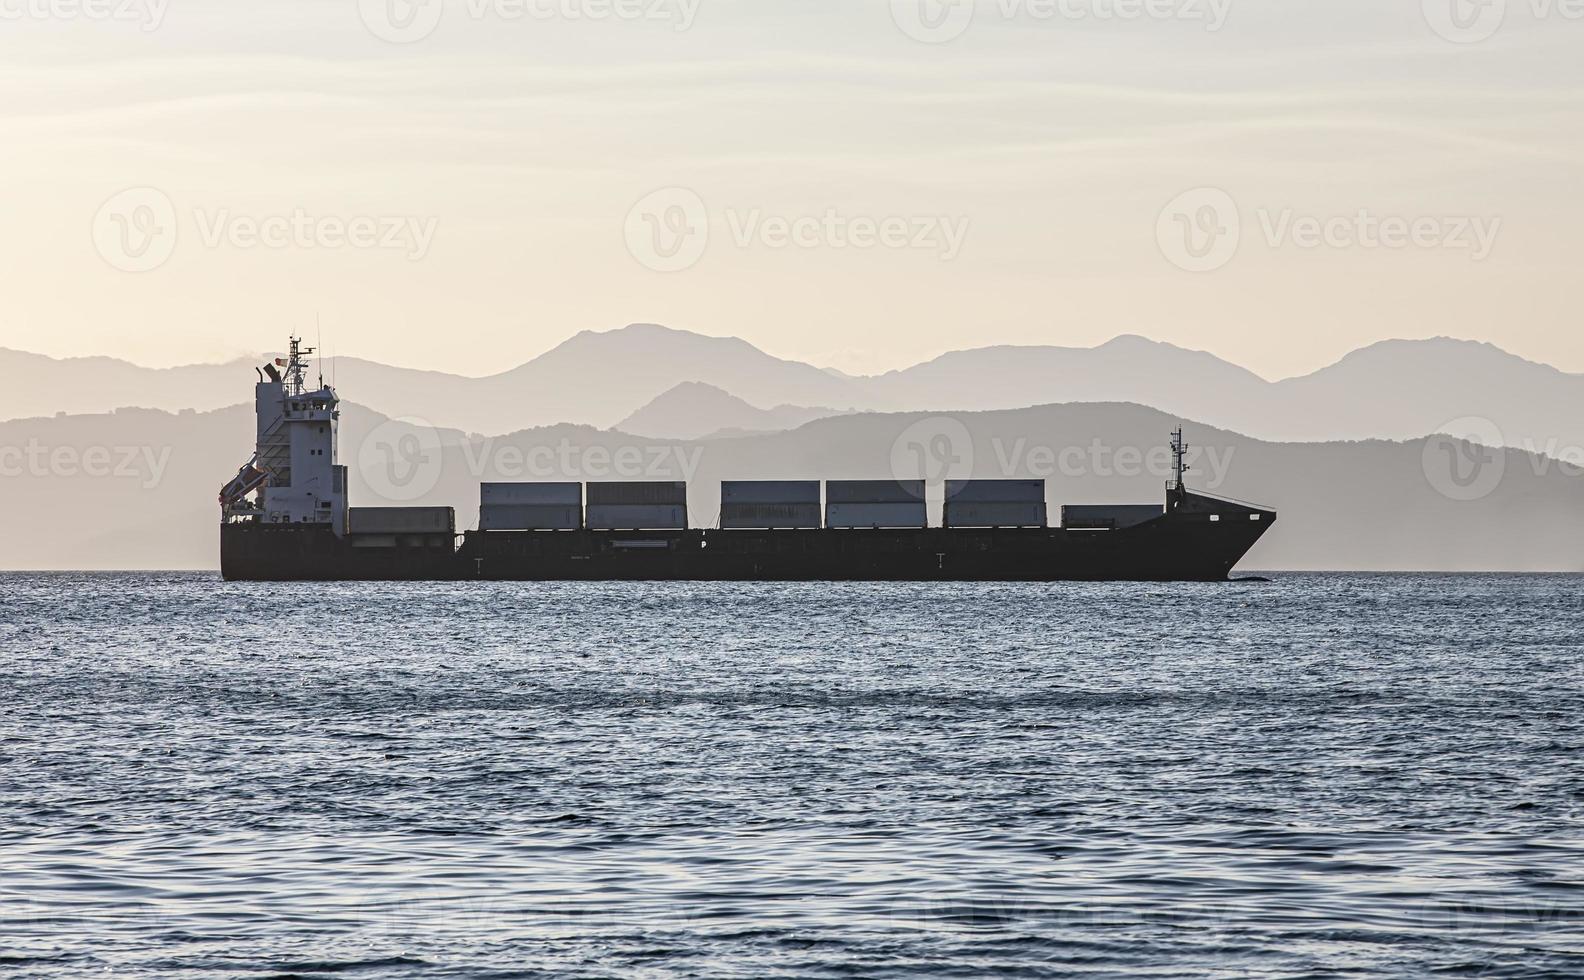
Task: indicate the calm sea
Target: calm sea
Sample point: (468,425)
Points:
(1318,775)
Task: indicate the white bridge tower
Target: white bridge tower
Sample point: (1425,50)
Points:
(293,470)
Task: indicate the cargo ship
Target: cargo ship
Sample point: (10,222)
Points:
(285,517)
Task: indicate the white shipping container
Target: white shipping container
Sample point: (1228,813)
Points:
(873,491)
(628,494)
(560,494)
(774,516)
(994,514)
(637,517)
(770,492)
(995,491)
(401,520)
(875,515)
(530,517)
(1094,516)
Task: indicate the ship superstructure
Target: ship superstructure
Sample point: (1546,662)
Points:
(293,477)
(285,517)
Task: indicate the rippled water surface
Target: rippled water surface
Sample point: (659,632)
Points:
(1364,775)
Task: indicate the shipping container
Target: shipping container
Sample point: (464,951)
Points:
(538,494)
(632,494)
(995,513)
(1111,516)
(773,516)
(636,517)
(770,492)
(995,491)
(873,491)
(840,515)
(530,517)
(401,520)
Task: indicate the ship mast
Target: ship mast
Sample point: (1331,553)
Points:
(1179,451)
(295,385)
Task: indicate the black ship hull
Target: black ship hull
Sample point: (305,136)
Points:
(1201,539)
(285,518)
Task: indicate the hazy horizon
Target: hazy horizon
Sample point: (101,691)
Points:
(192,182)
(328,355)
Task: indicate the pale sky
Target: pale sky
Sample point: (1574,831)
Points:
(460,193)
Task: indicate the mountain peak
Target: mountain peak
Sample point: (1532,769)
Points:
(653,339)
(700,389)
(695,409)
(1132,340)
(1438,355)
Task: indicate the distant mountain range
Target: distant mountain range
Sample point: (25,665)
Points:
(694,410)
(592,379)
(660,382)
(136,488)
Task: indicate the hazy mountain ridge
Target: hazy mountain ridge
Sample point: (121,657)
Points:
(150,501)
(1398,389)
(695,410)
